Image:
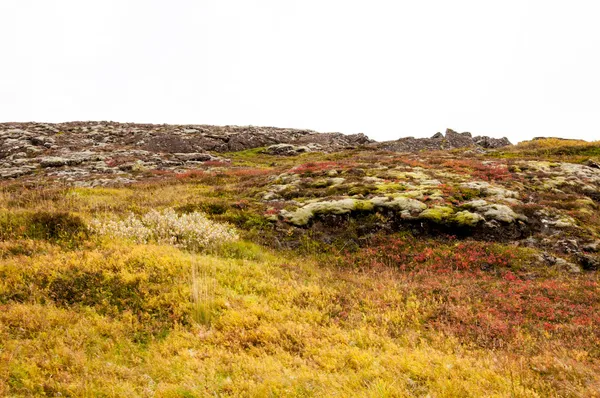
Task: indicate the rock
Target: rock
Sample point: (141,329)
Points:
(286,149)
(356,172)
(589,262)
(42,141)
(55,161)
(303,215)
(457,140)
(569,246)
(491,143)
(559,262)
(15,172)
(569,266)
(400,203)
(485,188)
(437,214)
(494,211)
(562,222)
(466,218)
(195,156)
(438,141)
(592,247)
(592,164)
(358,139)
(168,147)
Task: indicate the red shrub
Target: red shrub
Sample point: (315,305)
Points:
(476,292)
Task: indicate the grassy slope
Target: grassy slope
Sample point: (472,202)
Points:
(81,316)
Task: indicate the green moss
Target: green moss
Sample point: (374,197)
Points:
(321,183)
(390,187)
(362,190)
(438,214)
(363,205)
(466,218)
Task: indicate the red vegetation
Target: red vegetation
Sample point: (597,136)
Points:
(191,174)
(479,292)
(479,170)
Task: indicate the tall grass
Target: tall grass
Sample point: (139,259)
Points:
(203,287)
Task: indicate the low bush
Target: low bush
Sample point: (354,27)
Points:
(193,231)
(150,283)
(53,226)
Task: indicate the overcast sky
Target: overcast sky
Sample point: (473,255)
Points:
(386,68)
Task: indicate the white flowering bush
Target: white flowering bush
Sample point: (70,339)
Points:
(192,231)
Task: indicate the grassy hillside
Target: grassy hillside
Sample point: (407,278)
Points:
(201,284)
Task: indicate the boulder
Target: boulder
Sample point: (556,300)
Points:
(286,149)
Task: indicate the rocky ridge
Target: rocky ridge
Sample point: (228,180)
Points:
(101,153)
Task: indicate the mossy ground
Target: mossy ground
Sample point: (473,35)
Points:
(314,311)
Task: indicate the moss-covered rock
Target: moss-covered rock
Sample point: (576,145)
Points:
(303,215)
(494,211)
(503,213)
(390,187)
(467,218)
(400,203)
(487,189)
(438,214)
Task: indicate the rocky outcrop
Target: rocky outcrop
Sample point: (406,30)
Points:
(439,141)
(79,151)
(32,138)
(90,150)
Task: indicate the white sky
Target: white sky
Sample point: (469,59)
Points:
(386,68)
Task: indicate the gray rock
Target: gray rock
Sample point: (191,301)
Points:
(457,140)
(55,161)
(593,247)
(286,149)
(589,262)
(195,156)
(491,143)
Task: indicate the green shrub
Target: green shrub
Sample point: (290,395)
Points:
(242,250)
(51,226)
(213,208)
